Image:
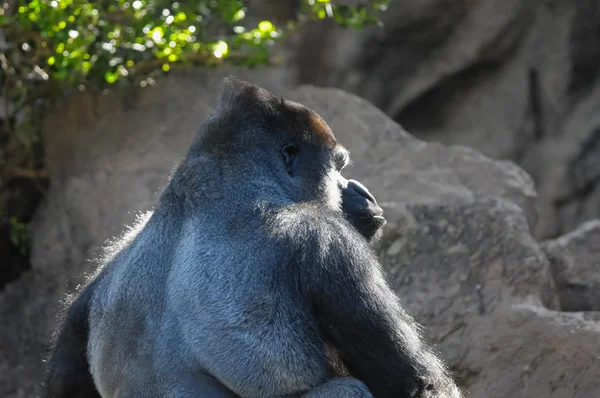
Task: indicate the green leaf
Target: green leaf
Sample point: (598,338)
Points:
(265,26)
(83,39)
(111,77)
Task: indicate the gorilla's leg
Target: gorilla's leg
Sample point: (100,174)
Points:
(204,385)
(201,385)
(340,387)
(207,386)
(186,386)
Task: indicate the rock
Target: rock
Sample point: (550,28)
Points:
(567,167)
(28,311)
(530,351)
(514,79)
(434,67)
(458,246)
(576,267)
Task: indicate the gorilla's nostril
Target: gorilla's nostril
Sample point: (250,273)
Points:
(361,190)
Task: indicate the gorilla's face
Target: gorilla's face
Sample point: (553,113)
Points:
(320,158)
(354,199)
(296,147)
(358,205)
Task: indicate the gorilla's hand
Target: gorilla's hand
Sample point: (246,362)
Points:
(361,209)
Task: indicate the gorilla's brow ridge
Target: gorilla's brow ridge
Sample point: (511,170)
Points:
(321,129)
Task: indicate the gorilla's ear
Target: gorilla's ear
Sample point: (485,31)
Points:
(243,95)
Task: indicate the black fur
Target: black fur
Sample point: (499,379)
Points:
(253,277)
(69,374)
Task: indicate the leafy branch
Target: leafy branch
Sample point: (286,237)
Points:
(47,46)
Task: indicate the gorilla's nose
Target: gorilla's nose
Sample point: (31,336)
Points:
(361,190)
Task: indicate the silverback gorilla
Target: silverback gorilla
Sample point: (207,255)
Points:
(253,277)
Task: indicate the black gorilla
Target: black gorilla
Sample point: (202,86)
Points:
(251,278)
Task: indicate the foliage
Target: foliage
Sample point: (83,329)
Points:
(81,42)
(19,235)
(47,46)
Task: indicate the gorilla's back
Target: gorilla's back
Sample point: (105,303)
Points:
(227,307)
(127,307)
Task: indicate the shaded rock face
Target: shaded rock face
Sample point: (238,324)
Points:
(514,79)
(575,262)
(458,247)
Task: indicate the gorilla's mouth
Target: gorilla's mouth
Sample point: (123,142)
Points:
(372,216)
(376,220)
(380,219)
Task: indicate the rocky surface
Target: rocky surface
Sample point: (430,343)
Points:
(515,79)
(575,261)
(458,247)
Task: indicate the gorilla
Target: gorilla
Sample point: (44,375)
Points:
(254,276)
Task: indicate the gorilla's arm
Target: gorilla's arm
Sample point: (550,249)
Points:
(68,372)
(362,318)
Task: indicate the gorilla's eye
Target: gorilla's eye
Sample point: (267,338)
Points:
(289,156)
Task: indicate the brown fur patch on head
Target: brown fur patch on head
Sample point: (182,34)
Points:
(307,124)
(321,129)
(246,111)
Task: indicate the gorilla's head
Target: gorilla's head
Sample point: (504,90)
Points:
(282,148)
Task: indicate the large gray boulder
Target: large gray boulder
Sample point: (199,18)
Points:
(458,247)
(514,79)
(575,261)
